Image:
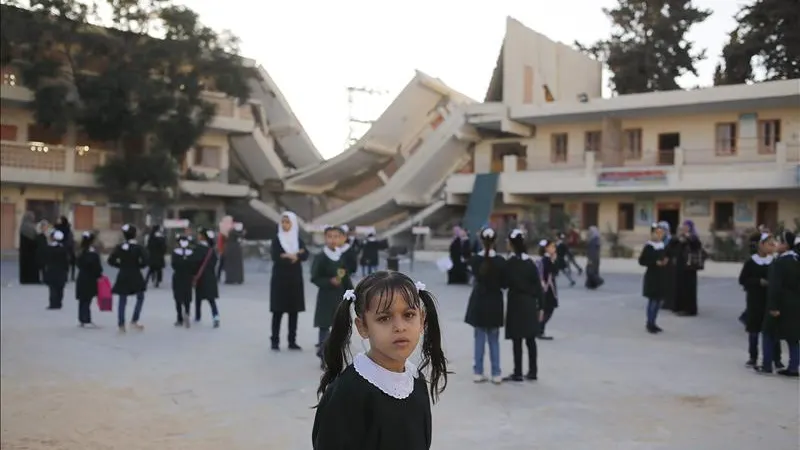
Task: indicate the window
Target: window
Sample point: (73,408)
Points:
(723,216)
(769,134)
(8,132)
(632,143)
(592,141)
(625,216)
(527,86)
(83,216)
(558,147)
(207,157)
(726,139)
(590,215)
(39,133)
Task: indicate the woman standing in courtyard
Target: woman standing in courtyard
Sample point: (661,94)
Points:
(524,300)
(687,251)
(28,250)
(234,256)
(593,244)
(287,294)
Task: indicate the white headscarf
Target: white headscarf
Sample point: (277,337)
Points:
(290,240)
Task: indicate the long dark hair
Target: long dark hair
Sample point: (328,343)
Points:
(517,241)
(488,236)
(378,290)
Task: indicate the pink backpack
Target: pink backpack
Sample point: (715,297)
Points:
(105,299)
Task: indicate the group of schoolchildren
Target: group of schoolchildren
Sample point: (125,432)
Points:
(193,263)
(531,296)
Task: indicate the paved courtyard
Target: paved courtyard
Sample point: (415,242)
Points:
(604,383)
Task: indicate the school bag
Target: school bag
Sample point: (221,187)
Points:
(105,299)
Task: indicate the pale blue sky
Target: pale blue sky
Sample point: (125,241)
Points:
(314,49)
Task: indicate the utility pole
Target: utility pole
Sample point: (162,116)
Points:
(356,123)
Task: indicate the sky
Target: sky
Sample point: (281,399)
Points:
(315,49)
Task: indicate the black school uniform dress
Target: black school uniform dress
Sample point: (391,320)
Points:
(206,287)
(369,256)
(548,276)
(349,253)
(130,258)
(522,312)
(184,268)
(328,264)
(56,269)
(156,252)
(655,281)
(90,269)
(754,270)
(485,306)
(783,295)
(370,408)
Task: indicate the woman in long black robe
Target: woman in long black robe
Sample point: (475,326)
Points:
(458,273)
(63,225)
(287,294)
(156,253)
(234,256)
(688,253)
(593,278)
(28,256)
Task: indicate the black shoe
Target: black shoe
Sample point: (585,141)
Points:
(294,346)
(198,319)
(657,328)
(750,363)
(514,377)
(788,373)
(531,376)
(572,283)
(651,329)
(276,347)
(544,337)
(779,365)
(53,307)
(762,370)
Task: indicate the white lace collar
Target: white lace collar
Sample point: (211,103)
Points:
(492,253)
(334,255)
(393,384)
(761,260)
(344,248)
(656,245)
(183,251)
(524,256)
(789,253)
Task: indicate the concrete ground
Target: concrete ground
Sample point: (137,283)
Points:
(604,383)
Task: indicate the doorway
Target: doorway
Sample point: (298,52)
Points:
(666,148)
(671,215)
(767,214)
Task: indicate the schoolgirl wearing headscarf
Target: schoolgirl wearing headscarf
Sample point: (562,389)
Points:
(287,292)
(56,267)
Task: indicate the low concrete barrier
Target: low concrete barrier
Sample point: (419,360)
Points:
(713,269)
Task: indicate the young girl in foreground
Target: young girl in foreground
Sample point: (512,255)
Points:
(654,285)
(380,401)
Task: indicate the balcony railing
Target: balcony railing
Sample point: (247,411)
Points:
(50,158)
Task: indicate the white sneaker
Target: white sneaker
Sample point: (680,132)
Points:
(497,380)
(479,379)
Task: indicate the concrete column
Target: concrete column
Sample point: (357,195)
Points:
(781,155)
(509,163)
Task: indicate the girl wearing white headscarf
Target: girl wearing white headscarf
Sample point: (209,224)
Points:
(286,286)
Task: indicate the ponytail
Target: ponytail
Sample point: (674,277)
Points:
(432,353)
(517,242)
(487,237)
(336,349)
(87,241)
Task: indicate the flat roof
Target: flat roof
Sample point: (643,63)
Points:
(782,93)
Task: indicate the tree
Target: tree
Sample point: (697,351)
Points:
(767,34)
(648,50)
(136,85)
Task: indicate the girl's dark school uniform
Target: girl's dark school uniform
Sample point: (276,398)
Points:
(56,269)
(184,267)
(548,270)
(89,270)
(783,296)
(369,255)
(754,270)
(156,251)
(349,253)
(206,287)
(328,264)
(654,284)
(370,408)
(522,313)
(485,311)
(130,258)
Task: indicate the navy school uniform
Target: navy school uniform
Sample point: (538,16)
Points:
(90,269)
(56,268)
(130,258)
(655,282)
(184,267)
(206,287)
(754,270)
(548,273)
(524,295)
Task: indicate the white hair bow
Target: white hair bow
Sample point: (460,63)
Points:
(516,233)
(87,234)
(58,235)
(210,234)
(488,233)
(126,227)
(420,286)
(349,295)
(543,243)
